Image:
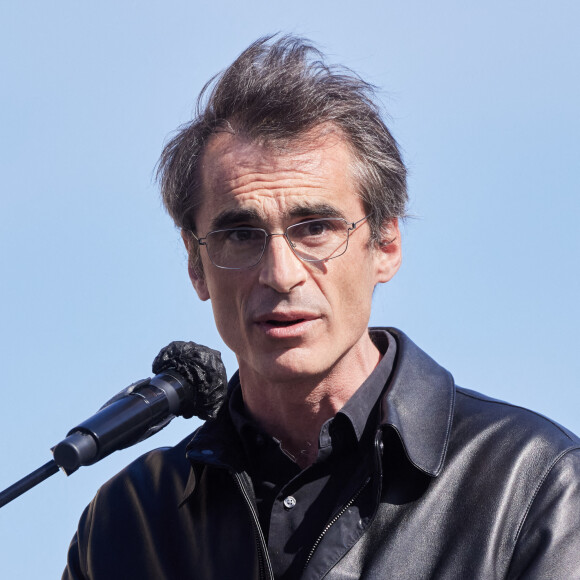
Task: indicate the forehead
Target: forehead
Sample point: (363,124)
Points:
(275,183)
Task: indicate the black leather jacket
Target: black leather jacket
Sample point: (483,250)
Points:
(464,487)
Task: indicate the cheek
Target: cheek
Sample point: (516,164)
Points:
(226,318)
(226,294)
(222,297)
(351,294)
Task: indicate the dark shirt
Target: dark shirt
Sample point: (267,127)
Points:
(295,505)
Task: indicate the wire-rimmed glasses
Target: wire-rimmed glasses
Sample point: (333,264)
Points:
(316,240)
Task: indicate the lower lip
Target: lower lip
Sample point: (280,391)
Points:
(290,331)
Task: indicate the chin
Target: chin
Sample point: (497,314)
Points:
(293,364)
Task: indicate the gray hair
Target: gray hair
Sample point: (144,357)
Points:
(275,93)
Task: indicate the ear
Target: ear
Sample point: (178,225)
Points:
(195,274)
(388,252)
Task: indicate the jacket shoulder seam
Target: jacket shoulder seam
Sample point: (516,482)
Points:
(484,399)
(541,483)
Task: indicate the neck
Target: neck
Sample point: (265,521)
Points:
(293,411)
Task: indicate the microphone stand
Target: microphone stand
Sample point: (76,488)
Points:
(28,482)
(126,419)
(120,423)
(139,411)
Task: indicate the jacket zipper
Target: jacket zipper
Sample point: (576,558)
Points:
(263,558)
(378,449)
(334,520)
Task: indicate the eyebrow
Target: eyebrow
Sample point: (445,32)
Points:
(315,209)
(232,217)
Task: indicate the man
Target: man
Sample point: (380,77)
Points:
(340,452)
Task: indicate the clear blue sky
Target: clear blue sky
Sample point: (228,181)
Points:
(484,100)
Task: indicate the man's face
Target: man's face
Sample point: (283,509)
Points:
(286,319)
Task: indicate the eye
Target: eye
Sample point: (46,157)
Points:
(243,235)
(314,229)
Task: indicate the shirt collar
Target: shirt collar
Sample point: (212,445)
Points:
(355,412)
(358,408)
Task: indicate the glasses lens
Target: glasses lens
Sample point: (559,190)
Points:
(236,248)
(318,240)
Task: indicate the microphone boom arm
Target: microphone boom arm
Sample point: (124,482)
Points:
(145,406)
(190,380)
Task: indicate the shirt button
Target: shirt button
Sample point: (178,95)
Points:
(289,502)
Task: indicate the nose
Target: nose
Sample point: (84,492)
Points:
(280,268)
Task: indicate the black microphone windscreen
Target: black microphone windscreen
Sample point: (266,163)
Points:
(203,368)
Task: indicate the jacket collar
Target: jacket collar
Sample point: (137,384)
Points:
(419,405)
(215,443)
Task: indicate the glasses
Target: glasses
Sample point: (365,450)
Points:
(312,241)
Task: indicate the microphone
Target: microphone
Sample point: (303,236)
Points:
(190,380)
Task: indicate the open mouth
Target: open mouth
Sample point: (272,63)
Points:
(282,323)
